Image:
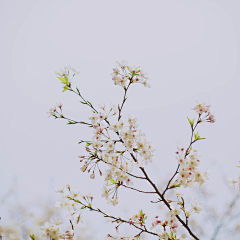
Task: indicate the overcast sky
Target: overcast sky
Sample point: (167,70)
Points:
(189,48)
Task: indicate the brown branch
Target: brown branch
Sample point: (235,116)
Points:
(117,219)
(135,189)
(164,200)
(124,100)
(96,157)
(167,188)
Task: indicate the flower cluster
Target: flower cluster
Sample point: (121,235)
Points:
(65,72)
(126,75)
(72,203)
(52,230)
(188,169)
(117,154)
(201,108)
(55,112)
(138,218)
(64,75)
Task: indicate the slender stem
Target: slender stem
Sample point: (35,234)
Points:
(135,189)
(85,102)
(112,217)
(124,100)
(167,187)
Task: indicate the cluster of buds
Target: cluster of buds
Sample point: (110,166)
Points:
(128,75)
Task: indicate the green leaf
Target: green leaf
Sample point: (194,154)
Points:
(197,137)
(82,207)
(112,181)
(191,122)
(32,237)
(65,88)
(88,144)
(64,80)
(70,122)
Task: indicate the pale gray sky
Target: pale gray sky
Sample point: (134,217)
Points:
(189,48)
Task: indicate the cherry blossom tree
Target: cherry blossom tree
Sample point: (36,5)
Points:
(120,148)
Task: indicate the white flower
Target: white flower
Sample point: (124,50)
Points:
(72,205)
(114,126)
(201,108)
(132,120)
(116,72)
(113,201)
(102,106)
(56,221)
(94,118)
(114,109)
(109,145)
(197,206)
(122,64)
(74,194)
(54,232)
(145,83)
(60,190)
(101,116)
(46,229)
(198,177)
(105,192)
(178,192)
(162,234)
(59,205)
(181,158)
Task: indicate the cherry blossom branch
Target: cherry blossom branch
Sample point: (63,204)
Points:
(70,121)
(164,200)
(192,141)
(117,219)
(187,152)
(84,101)
(124,100)
(154,186)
